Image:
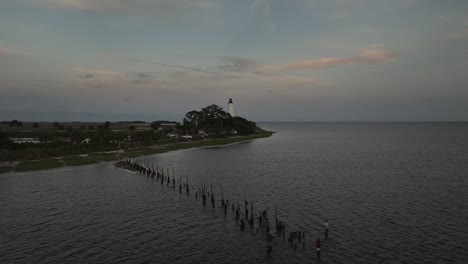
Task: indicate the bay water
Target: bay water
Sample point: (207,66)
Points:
(392,192)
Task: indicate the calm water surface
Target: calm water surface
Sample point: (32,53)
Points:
(393,193)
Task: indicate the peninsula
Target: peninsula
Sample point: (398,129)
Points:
(26,146)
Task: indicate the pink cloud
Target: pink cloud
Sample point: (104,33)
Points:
(97,72)
(5,51)
(371,55)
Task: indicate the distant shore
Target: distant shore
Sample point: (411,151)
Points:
(93,158)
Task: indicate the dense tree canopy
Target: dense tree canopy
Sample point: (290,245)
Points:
(16,123)
(5,141)
(214,120)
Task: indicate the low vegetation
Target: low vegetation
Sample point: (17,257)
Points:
(4,169)
(104,157)
(78,160)
(39,165)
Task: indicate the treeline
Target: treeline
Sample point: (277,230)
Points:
(215,121)
(72,142)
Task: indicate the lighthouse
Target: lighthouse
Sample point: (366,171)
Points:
(231,107)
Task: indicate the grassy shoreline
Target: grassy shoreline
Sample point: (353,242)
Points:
(39,165)
(4,169)
(32,165)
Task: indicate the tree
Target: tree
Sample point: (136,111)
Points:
(107,125)
(243,126)
(155,125)
(56,124)
(35,125)
(214,113)
(5,141)
(215,121)
(14,123)
(101,139)
(61,127)
(77,137)
(132,129)
(69,129)
(45,137)
(194,119)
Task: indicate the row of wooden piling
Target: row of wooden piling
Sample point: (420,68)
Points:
(296,238)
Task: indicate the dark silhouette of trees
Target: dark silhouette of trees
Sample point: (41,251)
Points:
(16,123)
(243,126)
(214,113)
(35,125)
(193,121)
(155,125)
(76,137)
(5,141)
(215,121)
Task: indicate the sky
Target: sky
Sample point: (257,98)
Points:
(279,60)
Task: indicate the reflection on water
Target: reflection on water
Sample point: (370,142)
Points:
(392,193)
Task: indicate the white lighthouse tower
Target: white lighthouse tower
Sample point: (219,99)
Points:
(231,107)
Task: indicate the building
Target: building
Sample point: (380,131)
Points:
(167,127)
(231,107)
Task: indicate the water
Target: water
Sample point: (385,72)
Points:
(393,193)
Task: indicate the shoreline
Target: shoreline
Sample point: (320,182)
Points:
(99,158)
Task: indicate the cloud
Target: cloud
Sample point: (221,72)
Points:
(237,64)
(93,72)
(11,51)
(186,68)
(160,9)
(53,82)
(87,75)
(261,9)
(289,81)
(99,78)
(372,55)
(140,77)
(258,86)
(6,51)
